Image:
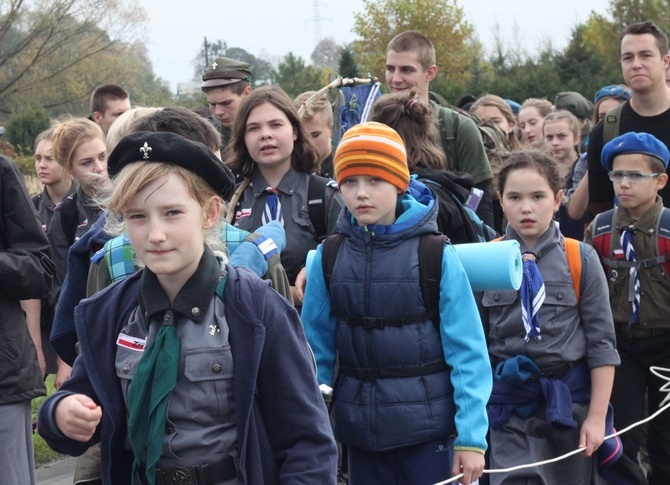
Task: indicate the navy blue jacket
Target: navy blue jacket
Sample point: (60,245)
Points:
(282,422)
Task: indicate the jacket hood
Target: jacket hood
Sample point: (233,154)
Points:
(416,210)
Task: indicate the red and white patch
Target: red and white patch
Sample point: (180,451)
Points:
(618,254)
(243,213)
(132,343)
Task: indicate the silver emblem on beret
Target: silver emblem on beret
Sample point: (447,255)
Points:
(146,149)
(214,65)
(620,144)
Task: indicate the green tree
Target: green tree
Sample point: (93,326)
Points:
(442,21)
(294,77)
(625,12)
(24,126)
(347,66)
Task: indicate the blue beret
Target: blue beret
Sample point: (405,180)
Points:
(166,147)
(514,106)
(613,91)
(631,142)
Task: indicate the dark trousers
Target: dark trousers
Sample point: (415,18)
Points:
(425,463)
(632,380)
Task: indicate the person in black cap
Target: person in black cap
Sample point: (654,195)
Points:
(190,370)
(225,83)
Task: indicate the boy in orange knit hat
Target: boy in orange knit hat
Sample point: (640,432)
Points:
(412,375)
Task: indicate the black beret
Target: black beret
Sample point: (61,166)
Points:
(166,147)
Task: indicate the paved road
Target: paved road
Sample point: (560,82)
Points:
(56,473)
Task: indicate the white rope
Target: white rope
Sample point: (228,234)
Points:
(665,404)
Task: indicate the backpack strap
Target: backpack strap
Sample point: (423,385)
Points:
(318,204)
(431,250)
(574,253)
(331,247)
(448,129)
(69,217)
(612,123)
(663,239)
(235,200)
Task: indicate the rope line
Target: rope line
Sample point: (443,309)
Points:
(665,404)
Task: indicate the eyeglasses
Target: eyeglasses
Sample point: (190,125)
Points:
(617,176)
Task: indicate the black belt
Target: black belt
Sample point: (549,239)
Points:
(557,372)
(368,373)
(638,332)
(206,474)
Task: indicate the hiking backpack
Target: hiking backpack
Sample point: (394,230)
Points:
(454,218)
(495,140)
(603,242)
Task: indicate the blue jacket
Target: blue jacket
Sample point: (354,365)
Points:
(376,274)
(282,423)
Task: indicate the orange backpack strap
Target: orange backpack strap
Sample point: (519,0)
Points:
(574,253)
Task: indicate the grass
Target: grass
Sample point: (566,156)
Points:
(43,454)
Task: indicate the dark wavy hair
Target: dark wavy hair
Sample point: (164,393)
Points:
(304,158)
(414,121)
(541,162)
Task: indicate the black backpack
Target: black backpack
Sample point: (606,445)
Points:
(454,218)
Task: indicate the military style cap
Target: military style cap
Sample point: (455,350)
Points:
(166,147)
(575,103)
(631,142)
(224,71)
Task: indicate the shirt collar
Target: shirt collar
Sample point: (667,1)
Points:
(192,300)
(288,183)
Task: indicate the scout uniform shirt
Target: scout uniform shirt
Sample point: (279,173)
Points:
(200,426)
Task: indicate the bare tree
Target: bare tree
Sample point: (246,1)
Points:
(43,42)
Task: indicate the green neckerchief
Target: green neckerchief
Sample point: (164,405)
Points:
(148,397)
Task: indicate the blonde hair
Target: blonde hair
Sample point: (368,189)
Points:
(319,105)
(134,177)
(121,127)
(543,106)
(493,101)
(68,137)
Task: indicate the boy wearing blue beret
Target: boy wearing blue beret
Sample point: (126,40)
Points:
(632,245)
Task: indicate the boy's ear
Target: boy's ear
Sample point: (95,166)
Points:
(431,72)
(661,181)
(212,212)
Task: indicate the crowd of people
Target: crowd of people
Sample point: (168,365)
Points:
(234,298)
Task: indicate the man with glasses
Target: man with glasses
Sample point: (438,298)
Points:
(644,57)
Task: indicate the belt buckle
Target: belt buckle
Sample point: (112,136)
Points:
(178,476)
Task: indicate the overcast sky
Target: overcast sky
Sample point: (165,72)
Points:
(271,29)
